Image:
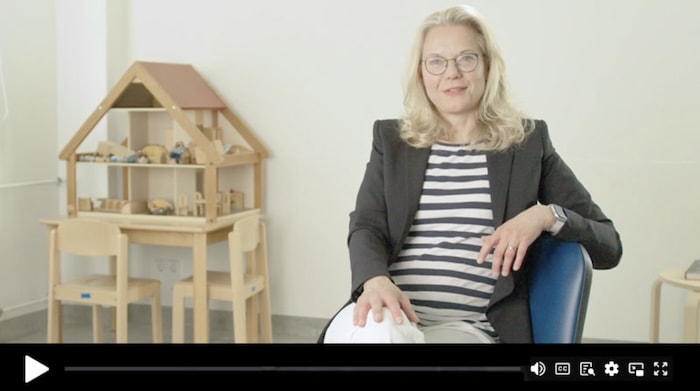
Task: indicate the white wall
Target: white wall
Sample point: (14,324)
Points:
(28,187)
(614,78)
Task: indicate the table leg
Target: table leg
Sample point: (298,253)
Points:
(690,329)
(112,309)
(200,307)
(54,325)
(654,317)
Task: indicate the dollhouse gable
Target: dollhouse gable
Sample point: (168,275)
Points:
(175,88)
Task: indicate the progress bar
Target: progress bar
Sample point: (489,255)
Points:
(293,369)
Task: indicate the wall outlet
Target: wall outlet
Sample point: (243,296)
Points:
(168,266)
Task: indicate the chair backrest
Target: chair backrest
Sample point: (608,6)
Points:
(245,235)
(243,241)
(559,286)
(89,237)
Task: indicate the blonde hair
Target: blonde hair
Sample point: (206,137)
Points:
(501,124)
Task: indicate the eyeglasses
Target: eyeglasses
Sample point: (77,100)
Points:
(437,65)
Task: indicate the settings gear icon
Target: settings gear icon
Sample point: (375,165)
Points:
(611,368)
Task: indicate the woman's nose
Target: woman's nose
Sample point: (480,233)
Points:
(452,69)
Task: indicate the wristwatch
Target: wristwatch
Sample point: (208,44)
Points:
(560,217)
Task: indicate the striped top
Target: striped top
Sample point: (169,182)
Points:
(437,266)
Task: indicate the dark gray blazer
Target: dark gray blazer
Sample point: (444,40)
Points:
(520,178)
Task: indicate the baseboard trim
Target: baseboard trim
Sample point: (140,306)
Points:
(22,309)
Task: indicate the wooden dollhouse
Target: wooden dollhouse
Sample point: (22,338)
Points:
(176,153)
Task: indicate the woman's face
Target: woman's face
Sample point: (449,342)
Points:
(455,92)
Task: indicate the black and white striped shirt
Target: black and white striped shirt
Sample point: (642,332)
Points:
(437,266)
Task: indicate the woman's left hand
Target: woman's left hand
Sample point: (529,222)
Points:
(511,240)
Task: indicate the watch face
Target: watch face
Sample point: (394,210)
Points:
(560,217)
(559,213)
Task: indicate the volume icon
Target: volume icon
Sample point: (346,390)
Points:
(538,368)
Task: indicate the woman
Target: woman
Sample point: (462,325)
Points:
(452,197)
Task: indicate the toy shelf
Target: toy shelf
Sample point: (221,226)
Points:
(176,152)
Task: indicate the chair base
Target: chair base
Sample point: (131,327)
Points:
(247,328)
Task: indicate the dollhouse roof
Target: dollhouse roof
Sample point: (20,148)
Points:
(173,87)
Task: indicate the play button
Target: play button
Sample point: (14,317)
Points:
(33,369)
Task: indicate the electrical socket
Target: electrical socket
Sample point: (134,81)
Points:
(168,266)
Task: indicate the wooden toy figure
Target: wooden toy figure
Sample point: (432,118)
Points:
(180,154)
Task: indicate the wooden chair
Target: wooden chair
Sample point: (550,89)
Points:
(245,285)
(182,208)
(199,204)
(225,204)
(92,240)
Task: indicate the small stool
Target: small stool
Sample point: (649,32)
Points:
(692,304)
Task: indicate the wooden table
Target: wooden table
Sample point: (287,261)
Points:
(676,277)
(177,234)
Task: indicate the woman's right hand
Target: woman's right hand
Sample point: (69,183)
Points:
(379,292)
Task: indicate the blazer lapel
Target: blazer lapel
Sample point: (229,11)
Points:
(500,168)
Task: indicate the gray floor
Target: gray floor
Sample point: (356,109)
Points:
(31,328)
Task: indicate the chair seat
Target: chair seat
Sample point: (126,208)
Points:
(219,285)
(101,289)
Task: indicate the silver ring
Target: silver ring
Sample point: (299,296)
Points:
(511,247)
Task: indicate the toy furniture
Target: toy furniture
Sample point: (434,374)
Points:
(96,240)
(170,134)
(676,277)
(245,285)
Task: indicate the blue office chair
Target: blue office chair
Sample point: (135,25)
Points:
(560,283)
